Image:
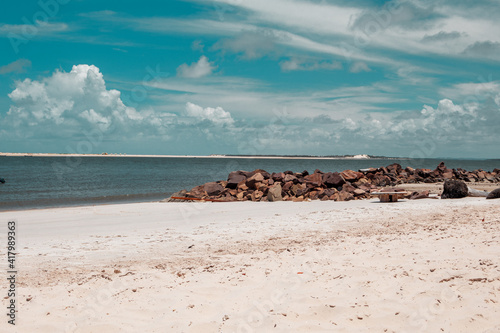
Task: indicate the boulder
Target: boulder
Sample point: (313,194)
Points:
(314,180)
(333,179)
(454,189)
(197,192)
(345,196)
(495,194)
(290,178)
(253,180)
(257,195)
(278,177)
(395,168)
(213,188)
(179,194)
(274,193)
(351,176)
(357,192)
(234,179)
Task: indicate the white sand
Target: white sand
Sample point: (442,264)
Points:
(411,266)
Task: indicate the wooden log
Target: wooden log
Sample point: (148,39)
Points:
(477,193)
(198,199)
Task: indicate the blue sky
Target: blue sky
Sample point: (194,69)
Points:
(394,78)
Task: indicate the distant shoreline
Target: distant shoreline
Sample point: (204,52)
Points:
(353,157)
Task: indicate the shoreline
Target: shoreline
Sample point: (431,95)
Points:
(203,156)
(425,265)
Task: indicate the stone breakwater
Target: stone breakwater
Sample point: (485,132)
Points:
(260,185)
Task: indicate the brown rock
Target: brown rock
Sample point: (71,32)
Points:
(290,178)
(274,193)
(278,177)
(495,194)
(314,180)
(287,186)
(345,196)
(257,195)
(234,179)
(357,192)
(256,178)
(351,176)
(454,189)
(333,179)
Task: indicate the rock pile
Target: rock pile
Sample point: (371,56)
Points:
(260,185)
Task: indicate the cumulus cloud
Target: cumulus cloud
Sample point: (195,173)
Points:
(18,66)
(197,69)
(217,115)
(76,100)
(303,65)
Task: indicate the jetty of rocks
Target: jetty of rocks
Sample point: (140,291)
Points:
(260,185)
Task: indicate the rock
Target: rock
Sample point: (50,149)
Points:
(333,179)
(345,196)
(419,195)
(495,194)
(290,178)
(296,188)
(278,177)
(257,195)
(441,167)
(348,188)
(235,178)
(454,189)
(213,188)
(305,173)
(197,192)
(256,178)
(274,193)
(181,194)
(357,192)
(314,180)
(287,186)
(351,176)
(395,168)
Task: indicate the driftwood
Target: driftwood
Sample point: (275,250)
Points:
(477,193)
(198,199)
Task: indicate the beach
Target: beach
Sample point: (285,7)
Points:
(364,266)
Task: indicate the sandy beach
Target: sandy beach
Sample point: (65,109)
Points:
(359,266)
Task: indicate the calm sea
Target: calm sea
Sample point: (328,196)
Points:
(39,182)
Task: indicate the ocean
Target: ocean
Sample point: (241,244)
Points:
(41,182)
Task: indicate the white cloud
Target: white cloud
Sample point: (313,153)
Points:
(38,28)
(78,98)
(197,69)
(18,66)
(215,115)
(295,64)
(358,67)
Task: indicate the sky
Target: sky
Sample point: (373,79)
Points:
(416,79)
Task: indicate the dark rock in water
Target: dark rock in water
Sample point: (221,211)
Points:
(2,180)
(495,194)
(213,188)
(454,189)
